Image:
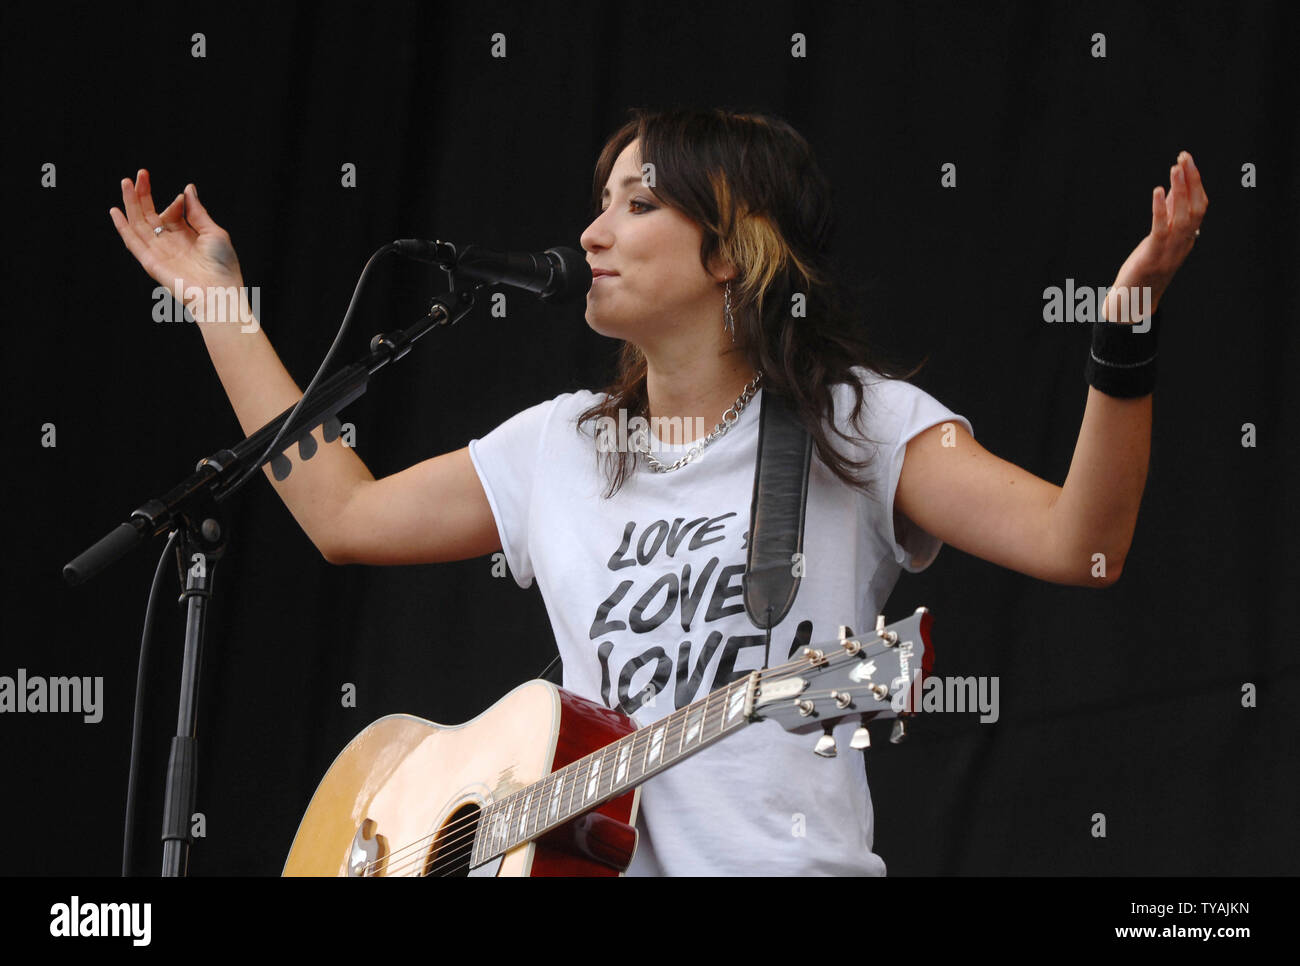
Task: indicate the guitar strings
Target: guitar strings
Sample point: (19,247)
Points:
(439,866)
(568,780)
(451,864)
(411,857)
(436,864)
(567,784)
(468,827)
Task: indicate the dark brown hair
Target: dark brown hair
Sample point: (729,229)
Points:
(751,183)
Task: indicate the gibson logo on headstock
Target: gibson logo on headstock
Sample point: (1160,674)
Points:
(906,681)
(904,666)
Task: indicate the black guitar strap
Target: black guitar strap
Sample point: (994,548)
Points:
(776,514)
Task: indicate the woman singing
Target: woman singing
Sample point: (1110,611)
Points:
(709,247)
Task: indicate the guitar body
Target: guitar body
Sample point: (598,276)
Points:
(403,797)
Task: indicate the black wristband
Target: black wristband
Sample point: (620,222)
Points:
(1122,361)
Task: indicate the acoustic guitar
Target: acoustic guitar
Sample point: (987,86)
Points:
(547,783)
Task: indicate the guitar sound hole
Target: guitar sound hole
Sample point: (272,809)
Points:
(451,850)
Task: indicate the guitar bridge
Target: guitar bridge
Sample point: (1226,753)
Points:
(369,852)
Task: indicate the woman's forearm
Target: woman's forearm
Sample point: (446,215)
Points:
(1097,508)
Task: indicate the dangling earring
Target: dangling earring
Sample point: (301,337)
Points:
(728,322)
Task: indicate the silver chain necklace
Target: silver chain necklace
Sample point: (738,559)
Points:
(728,420)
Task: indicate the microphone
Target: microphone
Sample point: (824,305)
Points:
(557,276)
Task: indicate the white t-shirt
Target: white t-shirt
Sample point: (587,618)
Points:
(644,595)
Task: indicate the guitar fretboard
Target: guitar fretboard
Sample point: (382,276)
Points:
(610,772)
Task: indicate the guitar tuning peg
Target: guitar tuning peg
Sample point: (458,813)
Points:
(861,739)
(846,639)
(330,429)
(826,743)
(899,732)
(307,447)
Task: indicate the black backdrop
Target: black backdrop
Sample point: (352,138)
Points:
(1125,701)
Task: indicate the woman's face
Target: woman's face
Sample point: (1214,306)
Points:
(660,289)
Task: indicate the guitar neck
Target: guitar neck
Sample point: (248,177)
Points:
(617,768)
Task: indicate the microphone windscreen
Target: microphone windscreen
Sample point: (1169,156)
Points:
(573,274)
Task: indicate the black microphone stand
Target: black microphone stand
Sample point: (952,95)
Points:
(195,507)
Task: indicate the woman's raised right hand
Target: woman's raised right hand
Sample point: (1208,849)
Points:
(191,247)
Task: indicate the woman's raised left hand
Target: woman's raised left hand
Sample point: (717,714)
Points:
(1175,219)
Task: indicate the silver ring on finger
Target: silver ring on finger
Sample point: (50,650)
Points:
(158,229)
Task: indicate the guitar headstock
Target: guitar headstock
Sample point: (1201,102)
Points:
(873,676)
